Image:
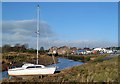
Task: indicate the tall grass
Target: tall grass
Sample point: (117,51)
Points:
(106,71)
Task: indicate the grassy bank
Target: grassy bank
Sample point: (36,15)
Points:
(105,71)
(85,58)
(17,59)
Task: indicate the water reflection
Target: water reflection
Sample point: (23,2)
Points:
(3,75)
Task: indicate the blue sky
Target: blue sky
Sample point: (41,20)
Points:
(68,22)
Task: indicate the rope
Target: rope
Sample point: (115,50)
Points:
(53,59)
(47,44)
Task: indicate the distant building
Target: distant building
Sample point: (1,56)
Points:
(103,50)
(81,52)
(100,50)
(63,50)
(53,50)
(73,50)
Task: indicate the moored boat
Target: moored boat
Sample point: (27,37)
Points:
(32,69)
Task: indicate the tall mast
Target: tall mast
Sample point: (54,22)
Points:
(37,31)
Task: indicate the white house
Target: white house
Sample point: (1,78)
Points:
(109,51)
(101,50)
(88,52)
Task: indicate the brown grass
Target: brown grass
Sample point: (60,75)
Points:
(106,71)
(17,59)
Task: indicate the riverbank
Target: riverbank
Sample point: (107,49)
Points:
(86,58)
(99,71)
(61,65)
(17,59)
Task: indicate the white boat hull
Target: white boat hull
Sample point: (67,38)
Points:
(31,71)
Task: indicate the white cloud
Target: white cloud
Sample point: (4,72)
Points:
(77,43)
(26,27)
(23,31)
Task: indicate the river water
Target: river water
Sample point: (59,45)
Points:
(65,63)
(62,64)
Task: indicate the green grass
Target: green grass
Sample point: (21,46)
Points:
(100,58)
(86,58)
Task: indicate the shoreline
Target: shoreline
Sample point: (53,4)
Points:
(99,71)
(62,60)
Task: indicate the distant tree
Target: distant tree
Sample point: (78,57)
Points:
(31,50)
(42,51)
(26,46)
(86,48)
(20,48)
(6,48)
(17,47)
(41,48)
(0,49)
(23,47)
(117,48)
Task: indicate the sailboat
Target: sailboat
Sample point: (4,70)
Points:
(32,69)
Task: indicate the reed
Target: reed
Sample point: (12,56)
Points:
(105,71)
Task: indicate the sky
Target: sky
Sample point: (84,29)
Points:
(79,24)
(60,0)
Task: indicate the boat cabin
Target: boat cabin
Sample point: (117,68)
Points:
(27,66)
